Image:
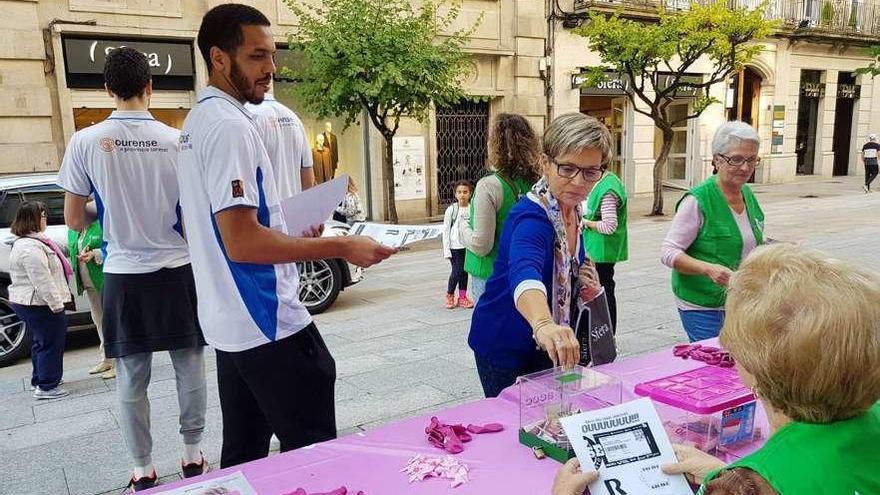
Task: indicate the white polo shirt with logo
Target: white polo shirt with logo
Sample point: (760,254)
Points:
(286,143)
(128,162)
(223,164)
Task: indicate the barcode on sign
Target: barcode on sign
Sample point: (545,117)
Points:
(612,448)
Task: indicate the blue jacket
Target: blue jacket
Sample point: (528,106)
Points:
(499,334)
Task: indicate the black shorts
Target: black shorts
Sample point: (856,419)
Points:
(150,312)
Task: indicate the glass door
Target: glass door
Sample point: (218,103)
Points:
(676,165)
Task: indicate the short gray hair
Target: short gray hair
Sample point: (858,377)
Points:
(731,134)
(574,132)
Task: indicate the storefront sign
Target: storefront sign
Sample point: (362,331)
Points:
(687,89)
(849,91)
(812,89)
(409,167)
(171,62)
(614,84)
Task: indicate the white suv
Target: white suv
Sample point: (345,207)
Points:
(320,281)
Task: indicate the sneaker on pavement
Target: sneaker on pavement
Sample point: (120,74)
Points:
(55,393)
(465,303)
(34,387)
(109,374)
(141,484)
(866,189)
(194,469)
(101,367)
(450,301)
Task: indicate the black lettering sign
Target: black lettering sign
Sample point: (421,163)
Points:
(813,89)
(166,58)
(614,84)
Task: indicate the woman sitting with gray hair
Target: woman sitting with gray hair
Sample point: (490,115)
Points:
(528,296)
(716,225)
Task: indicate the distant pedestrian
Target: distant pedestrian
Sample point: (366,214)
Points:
(514,161)
(87,260)
(453,248)
(716,225)
(869,157)
(38,293)
(352,209)
(605,232)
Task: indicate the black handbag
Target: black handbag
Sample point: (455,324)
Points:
(592,319)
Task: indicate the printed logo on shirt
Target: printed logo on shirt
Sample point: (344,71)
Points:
(107,144)
(237,189)
(131,145)
(184,142)
(285,122)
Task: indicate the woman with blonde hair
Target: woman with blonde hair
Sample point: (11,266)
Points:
(804,330)
(514,161)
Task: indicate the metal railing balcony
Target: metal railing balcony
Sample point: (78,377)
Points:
(842,18)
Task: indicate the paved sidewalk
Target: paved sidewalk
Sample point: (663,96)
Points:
(398,352)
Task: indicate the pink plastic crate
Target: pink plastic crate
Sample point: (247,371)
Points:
(708,408)
(705,390)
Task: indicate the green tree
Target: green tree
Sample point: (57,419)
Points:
(386,57)
(642,52)
(873,69)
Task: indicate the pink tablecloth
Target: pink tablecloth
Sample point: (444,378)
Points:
(371,461)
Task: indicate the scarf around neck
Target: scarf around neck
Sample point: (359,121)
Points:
(563,262)
(65,264)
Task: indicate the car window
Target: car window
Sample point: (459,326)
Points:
(53,198)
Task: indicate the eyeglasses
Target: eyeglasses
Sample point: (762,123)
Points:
(569,171)
(739,161)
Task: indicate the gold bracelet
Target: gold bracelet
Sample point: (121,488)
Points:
(541,323)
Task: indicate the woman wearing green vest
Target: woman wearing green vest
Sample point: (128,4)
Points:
(513,160)
(715,227)
(86,259)
(605,234)
(804,330)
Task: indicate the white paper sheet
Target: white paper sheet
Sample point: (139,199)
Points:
(397,236)
(313,206)
(627,445)
(233,484)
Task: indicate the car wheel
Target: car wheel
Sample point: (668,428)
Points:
(15,338)
(319,284)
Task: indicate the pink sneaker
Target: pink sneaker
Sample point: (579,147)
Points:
(465,303)
(450,302)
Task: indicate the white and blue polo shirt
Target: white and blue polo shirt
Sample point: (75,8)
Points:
(128,162)
(223,164)
(286,143)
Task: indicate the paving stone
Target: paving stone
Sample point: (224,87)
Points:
(14,415)
(375,406)
(56,429)
(75,406)
(11,387)
(38,480)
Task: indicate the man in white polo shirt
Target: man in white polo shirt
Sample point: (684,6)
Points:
(128,164)
(275,375)
(284,137)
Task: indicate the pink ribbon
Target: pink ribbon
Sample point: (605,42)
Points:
(452,438)
(714,356)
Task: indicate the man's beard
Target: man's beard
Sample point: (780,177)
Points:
(245,90)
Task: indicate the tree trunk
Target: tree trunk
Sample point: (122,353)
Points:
(388,180)
(660,171)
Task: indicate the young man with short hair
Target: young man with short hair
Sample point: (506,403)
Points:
(128,163)
(275,375)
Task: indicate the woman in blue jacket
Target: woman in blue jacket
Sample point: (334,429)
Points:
(522,322)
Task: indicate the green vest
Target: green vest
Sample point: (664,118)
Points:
(94,238)
(603,248)
(481,266)
(719,242)
(840,458)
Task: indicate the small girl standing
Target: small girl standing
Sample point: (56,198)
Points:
(453,249)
